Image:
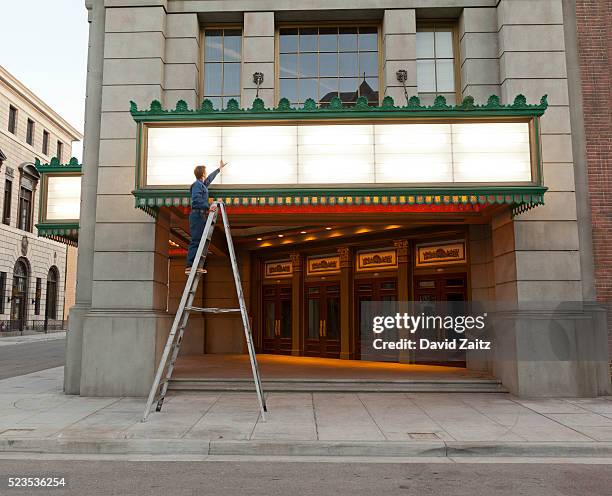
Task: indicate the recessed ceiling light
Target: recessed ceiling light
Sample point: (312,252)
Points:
(280,235)
(328,228)
(302,232)
(259,239)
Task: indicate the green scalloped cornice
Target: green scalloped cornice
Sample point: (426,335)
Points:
(55,167)
(335,109)
(67,233)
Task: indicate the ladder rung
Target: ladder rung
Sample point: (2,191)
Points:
(212,310)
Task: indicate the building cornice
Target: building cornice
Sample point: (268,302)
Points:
(18,87)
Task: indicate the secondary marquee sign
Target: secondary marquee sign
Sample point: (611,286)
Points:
(60,200)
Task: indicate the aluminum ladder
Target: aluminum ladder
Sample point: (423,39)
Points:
(185,308)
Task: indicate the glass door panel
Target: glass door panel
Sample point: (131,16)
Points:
(314,318)
(285,319)
(332,318)
(269,319)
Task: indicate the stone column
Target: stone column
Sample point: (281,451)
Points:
(126,328)
(532,62)
(478,42)
(348,332)
(258,56)
(89,180)
(297,304)
(399,52)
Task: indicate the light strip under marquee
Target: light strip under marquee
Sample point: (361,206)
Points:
(383,153)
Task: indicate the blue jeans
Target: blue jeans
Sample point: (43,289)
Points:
(197,221)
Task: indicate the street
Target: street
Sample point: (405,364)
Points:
(268,478)
(24,358)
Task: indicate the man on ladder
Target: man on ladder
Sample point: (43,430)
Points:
(202,223)
(199,208)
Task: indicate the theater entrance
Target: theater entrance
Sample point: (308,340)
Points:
(376,296)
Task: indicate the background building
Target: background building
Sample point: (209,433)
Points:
(507,245)
(593,21)
(32,269)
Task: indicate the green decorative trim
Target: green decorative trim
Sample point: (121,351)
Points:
(509,195)
(63,233)
(54,166)
(336,109)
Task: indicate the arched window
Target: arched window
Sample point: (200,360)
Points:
(19,294)
(52,294)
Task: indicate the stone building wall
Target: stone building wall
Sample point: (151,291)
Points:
(41,253)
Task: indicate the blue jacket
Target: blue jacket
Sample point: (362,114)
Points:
(199,190)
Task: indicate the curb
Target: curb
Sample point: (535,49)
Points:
(303,448)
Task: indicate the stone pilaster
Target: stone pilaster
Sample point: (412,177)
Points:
(545,247)
(129,289)
(297,299)
(258,56)
(479,54)
(89,181)
(399,53)
(348,331)
(181,69)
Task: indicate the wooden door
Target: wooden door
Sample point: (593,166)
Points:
(433,291)
(276,319)
(380,294)
(322,336)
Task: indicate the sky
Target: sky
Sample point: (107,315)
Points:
(43,43)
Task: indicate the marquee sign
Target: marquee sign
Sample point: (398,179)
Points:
(431,255)
(465,153)
(60,200)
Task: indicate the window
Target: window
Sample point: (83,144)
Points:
(321,63)
(45,143)
(52,297)
(37,295)
(8,195)
(30,132)
(25,209)
(2,291)
(12,122)
(435,48)
(222,57)
(60,149)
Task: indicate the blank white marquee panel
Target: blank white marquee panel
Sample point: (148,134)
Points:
(63,198)
(390,153)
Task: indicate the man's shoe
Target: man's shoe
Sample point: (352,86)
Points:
(199,270)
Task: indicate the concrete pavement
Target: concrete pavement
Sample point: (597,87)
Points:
(35,416)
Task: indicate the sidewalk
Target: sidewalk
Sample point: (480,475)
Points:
(32,338)
(35,416)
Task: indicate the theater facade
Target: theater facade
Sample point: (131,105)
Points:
(379,153)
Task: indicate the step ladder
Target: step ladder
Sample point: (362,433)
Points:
(185,308)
